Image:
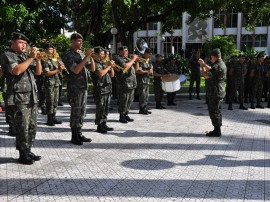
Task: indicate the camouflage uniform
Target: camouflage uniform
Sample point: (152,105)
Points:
(126,83)
(215,91)
(41,93)
(76,87)
(257,87)
(158,67)
(195,76)
(103,89)
(143,81)
(229,80)
(21,96)
(238,79)
(248,81)
(51,84)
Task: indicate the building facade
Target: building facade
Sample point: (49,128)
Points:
(191,37)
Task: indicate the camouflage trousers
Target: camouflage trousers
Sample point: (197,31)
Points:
(143,92)
(237,86)
(214,111)
(158,91)
(9,111)
(52,97)
(25,122)
(102,107)
(125,99)
(248,87)
(256,92)
(77,99)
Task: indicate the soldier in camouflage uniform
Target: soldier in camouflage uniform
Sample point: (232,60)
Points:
(215,74)
(195,74)
(51,83)
(41,93)
(77,63)
(237,73)
(143,79)
(229,86)
(126,83)
(103,89)
(21,93)
(257,74)
(158,72)
(171,69)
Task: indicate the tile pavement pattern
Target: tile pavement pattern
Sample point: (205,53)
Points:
(160,157)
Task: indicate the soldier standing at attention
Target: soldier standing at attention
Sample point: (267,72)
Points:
(215,74)
(194,66)
(229,86)
(51,82)
(77,63)
(21,93)
(237,73)
(143,79)
(126,83)
(257,74)
(103,89)
(158,72)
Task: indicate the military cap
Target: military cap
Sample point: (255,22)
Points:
(158,55)
(216,52)
(48,45)
(260,55)
(148,50)
(75,36)
(122,48)
(233,56)
(98,49)
(17,35)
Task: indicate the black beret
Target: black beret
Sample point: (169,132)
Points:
(48,45)
(260,55)
(122,48)
(148,50)
(97,50)
(75,36)
(216,52)
(17,35)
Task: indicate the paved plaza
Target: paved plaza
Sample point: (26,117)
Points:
(160,157)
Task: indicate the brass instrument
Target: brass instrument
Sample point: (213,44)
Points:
(119,68)
(142,60)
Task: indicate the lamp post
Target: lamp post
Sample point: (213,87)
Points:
(114,31)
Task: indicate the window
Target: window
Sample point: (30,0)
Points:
(260,41)
(167,45)
(231,19)
(152,26)
(247,40)
(177,43)
(219,19)
(153,44)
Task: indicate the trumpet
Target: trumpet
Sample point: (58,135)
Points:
(140,59)
(119,68)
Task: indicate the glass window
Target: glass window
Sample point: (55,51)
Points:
(167,45)
(247,40)
(231,19)
(152,26)
(177,43)
(153,44)
(219,19)
(260,41)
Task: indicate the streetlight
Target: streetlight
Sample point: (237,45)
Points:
(114,31)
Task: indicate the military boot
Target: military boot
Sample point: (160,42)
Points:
(252,106)
(75,139)
(104,125)
(258,105)
(215,133)
(158,106)
(123,119)
(148,110)
(81,136)
(128,118)
(242,106)
(230,106)
(143,111)
(101,129)
(198,96)
(33,156)
(25,158)
(50,121)
(55,121)
(43,110)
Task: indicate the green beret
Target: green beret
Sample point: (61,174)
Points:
(75,36)
(216,52)
(17,35)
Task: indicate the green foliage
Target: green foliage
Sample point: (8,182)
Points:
(224,43)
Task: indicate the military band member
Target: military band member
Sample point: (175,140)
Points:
(237,73)
(51,82)
(21,93)
(257,74)
(143,79)
(126,82)
(158,72)
(215,74)
(103,89)
(77,63)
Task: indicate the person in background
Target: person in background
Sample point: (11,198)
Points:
(195,68)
